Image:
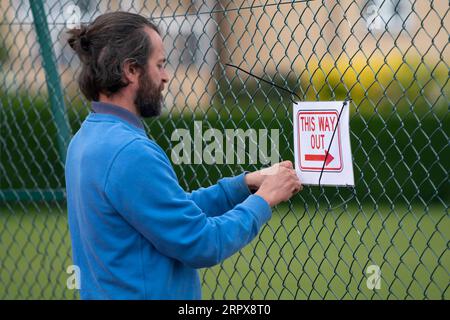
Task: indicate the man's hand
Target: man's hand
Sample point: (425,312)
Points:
(279,183)
(255,179)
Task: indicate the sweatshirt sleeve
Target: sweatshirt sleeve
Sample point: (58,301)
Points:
(219,198)
(142,187)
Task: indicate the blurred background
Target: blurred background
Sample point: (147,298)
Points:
(390,56)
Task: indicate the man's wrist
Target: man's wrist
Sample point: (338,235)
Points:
(251,181)
(265,197)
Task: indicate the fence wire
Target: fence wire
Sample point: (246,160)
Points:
(386,239)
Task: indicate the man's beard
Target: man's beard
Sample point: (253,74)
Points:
(148,97)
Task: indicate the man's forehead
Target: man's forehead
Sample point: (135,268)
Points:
(155,38)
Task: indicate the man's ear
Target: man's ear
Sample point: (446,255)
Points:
(130,71)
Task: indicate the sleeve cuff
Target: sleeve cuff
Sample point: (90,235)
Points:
(235,188)
(259,207)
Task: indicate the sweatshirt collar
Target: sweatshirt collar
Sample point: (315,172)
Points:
(124,114)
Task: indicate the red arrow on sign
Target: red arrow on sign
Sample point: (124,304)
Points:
(320,157)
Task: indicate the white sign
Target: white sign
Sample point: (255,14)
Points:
(314,125)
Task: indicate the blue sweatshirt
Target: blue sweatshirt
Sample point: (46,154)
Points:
(136,234)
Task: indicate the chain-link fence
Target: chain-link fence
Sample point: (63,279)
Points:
(387,238)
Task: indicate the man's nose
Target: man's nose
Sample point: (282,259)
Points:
(165,77)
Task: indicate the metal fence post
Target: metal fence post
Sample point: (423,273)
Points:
(51,73)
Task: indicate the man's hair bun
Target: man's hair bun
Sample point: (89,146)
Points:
(79,41)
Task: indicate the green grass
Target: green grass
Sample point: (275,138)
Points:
(324,255)
(34,252)
(302,253)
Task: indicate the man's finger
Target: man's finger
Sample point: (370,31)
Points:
(297,189)
(287,164)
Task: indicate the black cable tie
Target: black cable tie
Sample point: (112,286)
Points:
(347,100)
(264,80)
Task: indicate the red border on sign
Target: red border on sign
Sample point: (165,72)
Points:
(339,140)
